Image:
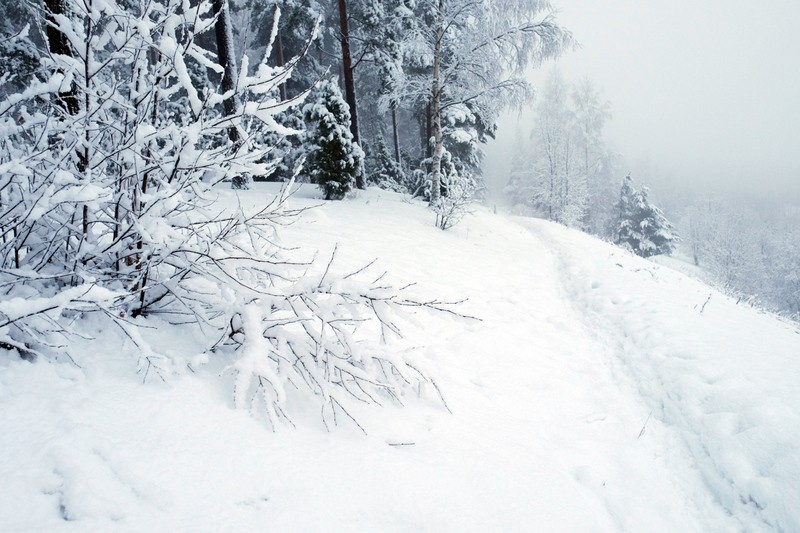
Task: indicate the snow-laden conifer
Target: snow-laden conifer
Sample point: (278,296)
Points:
(385,171)
(333,160)
(641,226)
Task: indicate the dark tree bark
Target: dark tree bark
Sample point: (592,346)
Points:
(279,61)
(58,44)
(395,134)
(436,105)
(225,55)
(349,82)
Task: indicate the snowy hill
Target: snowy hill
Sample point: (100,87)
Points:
(598,392)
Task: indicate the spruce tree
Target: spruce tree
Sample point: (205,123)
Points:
(641,226)
(333,160)
(386,172)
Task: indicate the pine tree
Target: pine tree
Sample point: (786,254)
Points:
(641,226)
(333,159)
(385,171)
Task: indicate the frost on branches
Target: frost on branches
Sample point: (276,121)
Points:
(107,211)
(641,227)
(457,193)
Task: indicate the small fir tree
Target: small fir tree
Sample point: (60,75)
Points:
(386,171)
(642,227)
(333,160)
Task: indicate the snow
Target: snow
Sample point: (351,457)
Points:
(599,392)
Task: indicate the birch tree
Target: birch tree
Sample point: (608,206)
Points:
(462,38)
(595,162)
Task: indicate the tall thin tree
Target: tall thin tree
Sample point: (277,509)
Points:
(227,59)
(349,80)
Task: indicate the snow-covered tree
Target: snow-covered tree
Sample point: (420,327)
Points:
(641,226)
(292,22)
(19,60)
(564,172)
(551,178)
(595,162)
(333,159)
(452,43)
(726,241)
(108,218)
(226,56)
(464,131)
(782,265)
(384,170)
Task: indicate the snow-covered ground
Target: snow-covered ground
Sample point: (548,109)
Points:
(599,392)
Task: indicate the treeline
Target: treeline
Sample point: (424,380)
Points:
(118,118)
(423,80)
(563,171)
(751,252)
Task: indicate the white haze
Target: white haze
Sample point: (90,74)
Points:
(704,94)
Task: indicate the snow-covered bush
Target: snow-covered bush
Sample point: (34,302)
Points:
(641,226)
(458,192)
(333,160)
(107,207)
(101,182)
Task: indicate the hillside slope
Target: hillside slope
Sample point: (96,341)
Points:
(599,392)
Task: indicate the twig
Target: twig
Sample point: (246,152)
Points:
(645,425)
(704,304)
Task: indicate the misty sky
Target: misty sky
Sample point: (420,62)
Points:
(702,91)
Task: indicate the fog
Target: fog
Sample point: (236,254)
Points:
(703,94)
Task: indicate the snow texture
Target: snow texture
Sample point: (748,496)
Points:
(600,392)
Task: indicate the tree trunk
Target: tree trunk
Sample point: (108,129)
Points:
(428,132)
(436,102)
(227,59)
(395,134)
(83,159)
(58,44)
(279,61)
(349,82)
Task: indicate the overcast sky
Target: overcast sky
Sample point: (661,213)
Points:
(702,91)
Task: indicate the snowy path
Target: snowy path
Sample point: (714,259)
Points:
(721,379)
(543,434)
